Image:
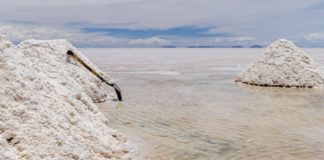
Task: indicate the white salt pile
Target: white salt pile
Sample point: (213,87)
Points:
(283,65)
(47,108)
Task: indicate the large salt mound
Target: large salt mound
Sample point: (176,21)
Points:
(47,108)
(283,65)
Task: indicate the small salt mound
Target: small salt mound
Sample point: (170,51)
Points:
(283,65)
(47,108)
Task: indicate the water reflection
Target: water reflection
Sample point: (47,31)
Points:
(281,90)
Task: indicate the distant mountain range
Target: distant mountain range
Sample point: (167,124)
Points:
(256,46)
(203,46)
(169,46)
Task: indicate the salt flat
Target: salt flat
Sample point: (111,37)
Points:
(183,104)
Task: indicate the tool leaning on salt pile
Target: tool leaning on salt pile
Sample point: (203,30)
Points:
(98,74)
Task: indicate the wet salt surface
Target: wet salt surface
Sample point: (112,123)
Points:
(170,73)
(202,114)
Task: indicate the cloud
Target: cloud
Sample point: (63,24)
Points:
(100,39)
(319,36)
(156,14)
(262,19)
(20,33)
(153,41)
(78,37)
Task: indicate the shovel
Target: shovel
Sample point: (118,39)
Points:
(97,74)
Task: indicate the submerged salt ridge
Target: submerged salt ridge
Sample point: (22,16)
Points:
(284,65)
(47,108)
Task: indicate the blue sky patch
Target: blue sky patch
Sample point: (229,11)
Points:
(188,31)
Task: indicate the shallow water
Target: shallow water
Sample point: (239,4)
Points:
(183,104)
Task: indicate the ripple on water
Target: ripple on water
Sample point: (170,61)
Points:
(202,114)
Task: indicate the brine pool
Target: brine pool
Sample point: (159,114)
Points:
(183,104)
